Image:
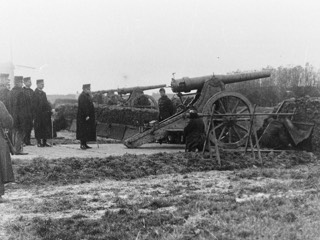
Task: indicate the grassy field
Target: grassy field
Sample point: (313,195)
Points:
(166,196)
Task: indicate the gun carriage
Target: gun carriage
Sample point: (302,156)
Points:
(232,111)
(228,116)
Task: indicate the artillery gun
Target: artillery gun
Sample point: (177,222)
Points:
(118,115)
(135,98)
(130,109)
(232,110)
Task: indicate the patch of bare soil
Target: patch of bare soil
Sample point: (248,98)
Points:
(164,196)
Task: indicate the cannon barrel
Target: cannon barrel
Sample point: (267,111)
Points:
(187,84)
(131,89)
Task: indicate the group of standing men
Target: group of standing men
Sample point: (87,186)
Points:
(28,109)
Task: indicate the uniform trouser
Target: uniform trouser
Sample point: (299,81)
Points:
(27,135)
(17,140)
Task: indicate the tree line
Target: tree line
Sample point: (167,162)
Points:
(284,83)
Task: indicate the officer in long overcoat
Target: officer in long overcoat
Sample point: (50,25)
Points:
(28,123)
(86,123)
(17,109)
(6,171)
(42,115)
(4,91)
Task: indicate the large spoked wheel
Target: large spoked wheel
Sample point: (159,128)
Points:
(231,118)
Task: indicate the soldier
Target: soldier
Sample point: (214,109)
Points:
(165,106)
(6,171)
(28,93)
(86,123)
(42,115)
(194,133)
(4,90)
(17,107)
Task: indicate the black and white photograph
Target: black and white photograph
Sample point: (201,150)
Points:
(159,120)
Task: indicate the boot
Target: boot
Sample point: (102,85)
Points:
(45,144)
(27,141)
(88,147)
(39,143)
(83,145)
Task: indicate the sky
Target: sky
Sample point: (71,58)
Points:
(125,43)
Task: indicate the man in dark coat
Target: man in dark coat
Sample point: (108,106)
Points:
(17,109)
(6,171)
(194,133)
(28,123)
(4,91)
(86,123)
(165,106)
(42,115)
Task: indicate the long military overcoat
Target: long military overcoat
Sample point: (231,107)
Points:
(17,107)
(6,172)
(4,96)
(28,95)
(86,129)
(42,115)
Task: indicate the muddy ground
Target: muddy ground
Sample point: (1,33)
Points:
(164,196)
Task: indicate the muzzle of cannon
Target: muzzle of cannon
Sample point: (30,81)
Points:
(187,84)
(131,89)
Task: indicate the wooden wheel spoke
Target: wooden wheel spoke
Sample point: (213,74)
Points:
(218,126)
(243,110)
(230,136)
(246,135)
(235,106)
(237,133)
(226,105)
(222,132)
(216,112)
(222,106)
(241,127)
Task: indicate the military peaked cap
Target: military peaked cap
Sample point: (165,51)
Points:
(86,86)
(26,79)
(4,75)
(18,79)
(40,81)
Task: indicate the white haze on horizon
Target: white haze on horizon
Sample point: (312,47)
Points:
(113,44)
